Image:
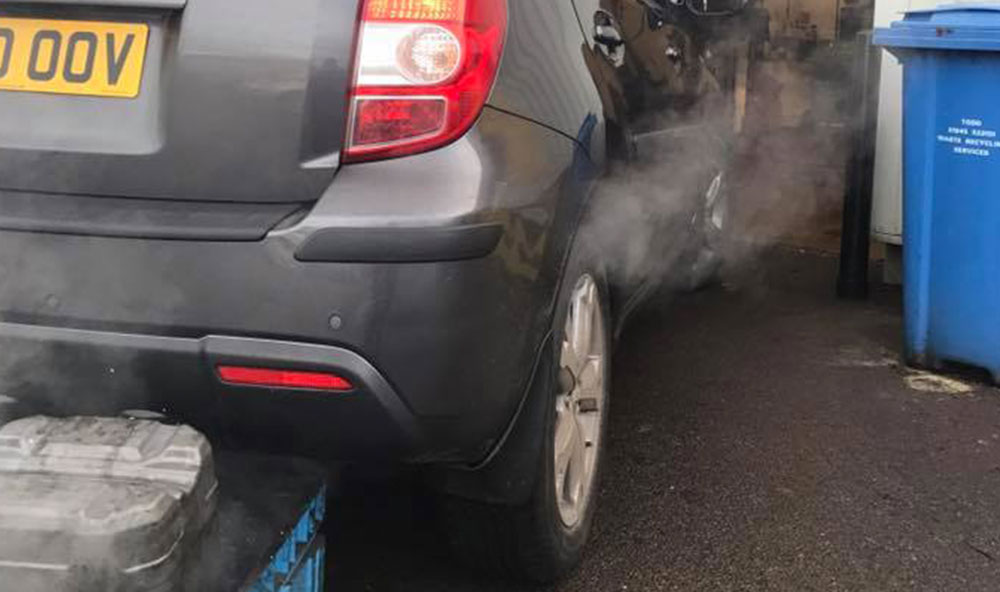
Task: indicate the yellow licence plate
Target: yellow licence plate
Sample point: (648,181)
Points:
(72,57)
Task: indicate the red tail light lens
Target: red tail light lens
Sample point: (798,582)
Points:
(290,379)
(383,119)
(423,71)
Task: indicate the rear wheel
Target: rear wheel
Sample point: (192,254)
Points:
(580,403)
(543,539)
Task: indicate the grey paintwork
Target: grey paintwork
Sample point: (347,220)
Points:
(172,4)
(456,339)
(242,112)
(545,75)
(239,104)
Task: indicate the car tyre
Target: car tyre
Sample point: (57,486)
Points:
(543,539)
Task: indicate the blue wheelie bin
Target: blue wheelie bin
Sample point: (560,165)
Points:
(951,182)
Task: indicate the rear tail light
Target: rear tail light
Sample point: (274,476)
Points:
(276,378)
(422,73)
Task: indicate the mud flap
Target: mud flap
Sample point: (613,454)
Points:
(507,476)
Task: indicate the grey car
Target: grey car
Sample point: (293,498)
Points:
(345,228)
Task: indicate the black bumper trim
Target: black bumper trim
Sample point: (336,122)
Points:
(400,245)
(161,219)
(212,350)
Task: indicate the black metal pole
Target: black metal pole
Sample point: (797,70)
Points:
(855,239)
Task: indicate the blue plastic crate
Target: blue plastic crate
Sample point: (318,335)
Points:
(299,563)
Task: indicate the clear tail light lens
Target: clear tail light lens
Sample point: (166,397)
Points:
(428,55)
(423,72)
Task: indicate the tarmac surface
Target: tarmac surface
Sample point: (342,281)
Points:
(762,437)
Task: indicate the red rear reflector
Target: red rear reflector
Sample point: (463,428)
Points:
(292,379)
(415,10)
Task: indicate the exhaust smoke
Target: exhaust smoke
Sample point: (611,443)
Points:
(701,201)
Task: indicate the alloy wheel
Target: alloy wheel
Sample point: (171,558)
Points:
(580,404)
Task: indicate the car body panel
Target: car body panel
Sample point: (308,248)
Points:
(455,339)
(132,306)
(544,75)
(235,105)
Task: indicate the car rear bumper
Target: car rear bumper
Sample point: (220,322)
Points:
(98,372)
(426,280)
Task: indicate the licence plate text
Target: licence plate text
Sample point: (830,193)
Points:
(72,57)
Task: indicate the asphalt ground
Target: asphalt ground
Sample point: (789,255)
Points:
(763,436)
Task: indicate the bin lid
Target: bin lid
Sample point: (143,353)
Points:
(969,27)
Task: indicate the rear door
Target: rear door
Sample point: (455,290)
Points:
(228,100)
